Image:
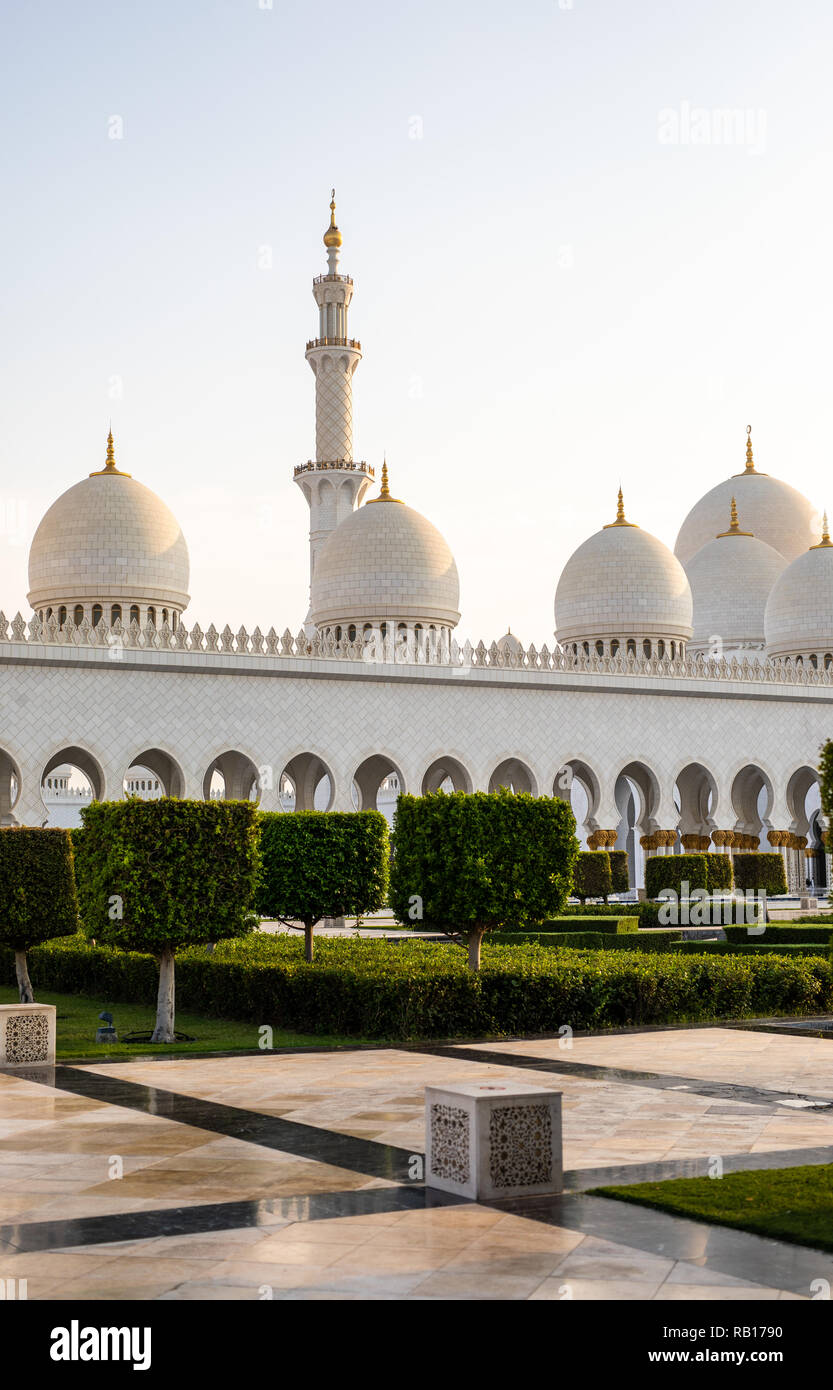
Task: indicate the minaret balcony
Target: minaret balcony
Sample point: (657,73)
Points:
(334,342)
(320,465)
(339,279)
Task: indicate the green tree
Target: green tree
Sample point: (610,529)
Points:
(321,864)
(619,870)
(760,873)
(592,876)
(37,894)
(465,863)
(159,875)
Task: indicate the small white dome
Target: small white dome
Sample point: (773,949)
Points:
(772,510)
(109,539)
(799,613)
(622,583)
(731,578)
(510,643)
(383,563)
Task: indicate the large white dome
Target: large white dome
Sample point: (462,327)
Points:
(623,583)
(108,540)
(772,510)
(731,578)
(799,613)
(383,563)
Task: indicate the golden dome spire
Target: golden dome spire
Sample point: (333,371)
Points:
(384,491)
(825,537)
(332,236)
(110,463)
(620,515)
(734,524)
(750,462)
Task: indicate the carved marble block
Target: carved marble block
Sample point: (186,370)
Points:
(493,1139)
(27,1034)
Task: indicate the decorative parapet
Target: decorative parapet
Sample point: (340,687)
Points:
(395,650)
(317,465)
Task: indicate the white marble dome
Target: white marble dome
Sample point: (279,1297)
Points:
(385,563)
(731,578)
(622,584)
(772,510)
(799,613)
(109,540)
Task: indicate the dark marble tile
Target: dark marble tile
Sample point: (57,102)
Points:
(655,1081)
(216,1216)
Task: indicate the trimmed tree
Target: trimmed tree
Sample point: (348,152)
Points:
(760,873)
(592,877)
(318,864)
(668,872)
(719,875)
(159,875)
(37,894)
(619,876)
(465,863)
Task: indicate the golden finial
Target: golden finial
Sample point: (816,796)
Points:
(110,463)
(750,462)
(620,515)
(734,524)
(332,236)
(384,491)
(825,541)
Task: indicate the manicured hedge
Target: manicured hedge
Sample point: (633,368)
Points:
(37,893)
(783,932)
(318,864)
(720,911)
(760,872)
(609,926)
(731,948)
(826,787)
(665,872)
(619,870)
(719,873)
(594,910)
(363,988)
(591,875)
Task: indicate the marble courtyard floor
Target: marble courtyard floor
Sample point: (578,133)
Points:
(296,1175)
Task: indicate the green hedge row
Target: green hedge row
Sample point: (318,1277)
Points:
(361,988)
(608,926)
(720,912)
(594,910)
(783,931)
(732,948)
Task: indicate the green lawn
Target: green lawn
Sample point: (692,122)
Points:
(77,1020)
(794,1204)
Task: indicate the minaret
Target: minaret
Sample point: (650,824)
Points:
(333,483)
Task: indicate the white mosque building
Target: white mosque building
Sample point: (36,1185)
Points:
(682,704)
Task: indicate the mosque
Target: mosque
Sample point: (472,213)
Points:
(681,706)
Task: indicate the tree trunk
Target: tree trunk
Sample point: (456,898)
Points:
(309,943)
(475,940)
(24,984)
(164,1030)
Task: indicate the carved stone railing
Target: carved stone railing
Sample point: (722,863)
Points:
(395,650)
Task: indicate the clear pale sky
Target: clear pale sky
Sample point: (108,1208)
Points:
(552,292)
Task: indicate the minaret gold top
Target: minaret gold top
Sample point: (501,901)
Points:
(384,491)
(620,516)
(110,464)
(825,537)
(750,462)
(734,525)
(332,236)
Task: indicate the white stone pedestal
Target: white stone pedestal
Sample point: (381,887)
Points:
(493,1139)
(27,1034)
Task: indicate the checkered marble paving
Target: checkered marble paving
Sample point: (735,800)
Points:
(67,1157)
